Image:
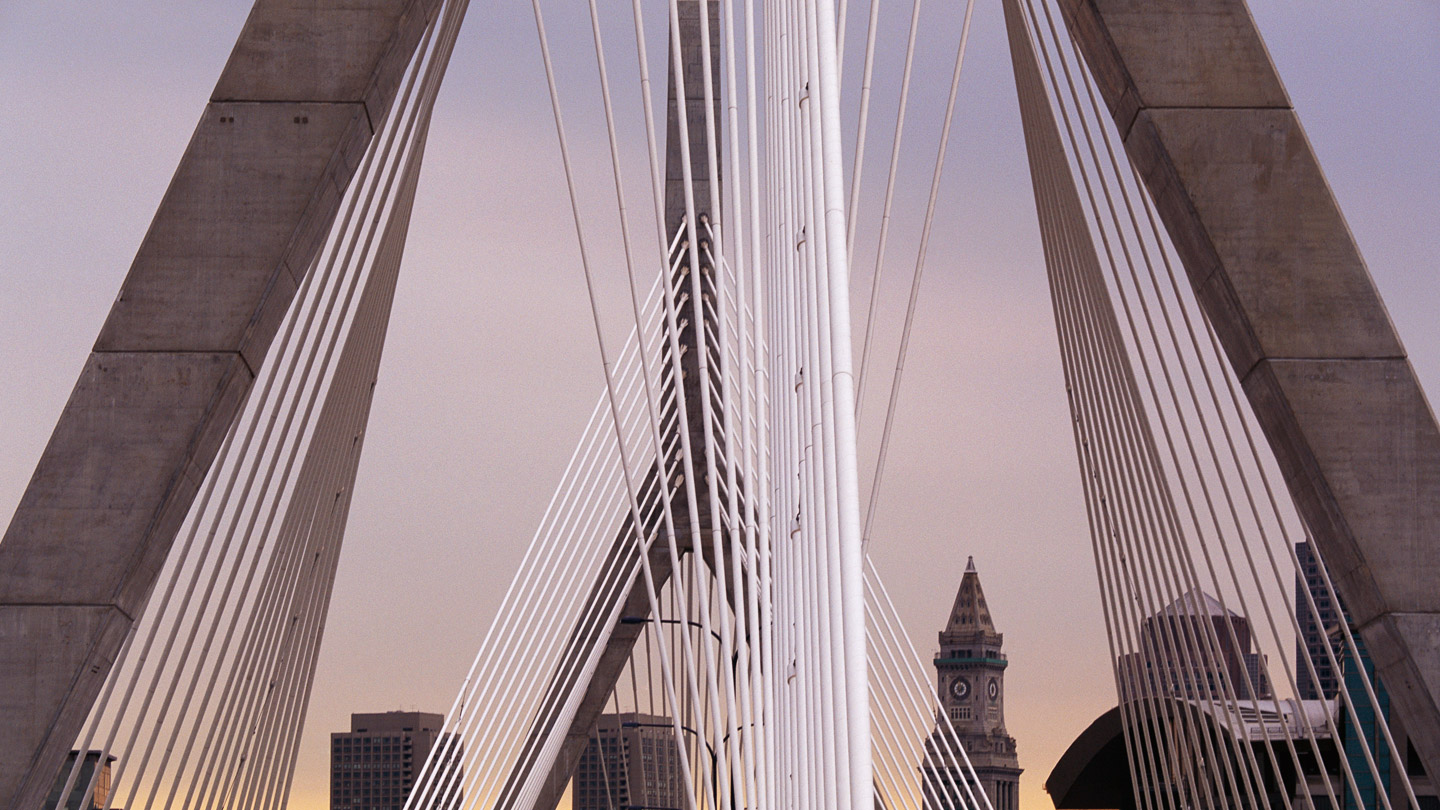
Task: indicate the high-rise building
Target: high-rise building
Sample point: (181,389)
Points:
(374,765)
(970,677)
(631,763)
(81,796)
(1177,655)
(1316,631)
(1360,729)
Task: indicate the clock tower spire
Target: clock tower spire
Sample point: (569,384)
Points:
(970,678)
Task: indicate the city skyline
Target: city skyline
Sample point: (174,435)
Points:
(79,196)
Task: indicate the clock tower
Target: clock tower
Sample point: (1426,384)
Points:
(970,677)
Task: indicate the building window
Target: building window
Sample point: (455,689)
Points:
(960,713)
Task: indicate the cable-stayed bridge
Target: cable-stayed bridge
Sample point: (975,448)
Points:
(288,453)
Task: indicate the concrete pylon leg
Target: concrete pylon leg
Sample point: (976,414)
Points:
(249,206)
(1210,127)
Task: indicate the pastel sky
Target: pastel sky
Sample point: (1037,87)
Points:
(491,368)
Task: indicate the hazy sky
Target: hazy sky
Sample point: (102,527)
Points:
(490,368)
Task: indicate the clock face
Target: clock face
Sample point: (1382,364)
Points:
(993,690)
(960,688)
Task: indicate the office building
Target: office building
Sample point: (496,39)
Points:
(1315,630)
(631,763)
(374,765)
(1194,648)
(78,798)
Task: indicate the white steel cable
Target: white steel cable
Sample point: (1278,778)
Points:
(216,477)
(888,761)
(473,771)
(885,609)
(843,385)
(808,705)
(909,703)
(890,409)
(298,660)
(747,620)
(1204,426)
(209,588)
(801,779)
(525,588)
(702,352)
(1259,522)
(826,537)
(712,450)
(1133,621)
(669,523)
(522,611)
(881,690)
(1236,408)
(691,245)
(356,387)
(503,684)
(266,486)
(862,123)
(818,678)
(1023,86)
(642,545)
(895,150)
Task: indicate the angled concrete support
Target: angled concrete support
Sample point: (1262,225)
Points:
(249,206)
(620,639)
(1207,122)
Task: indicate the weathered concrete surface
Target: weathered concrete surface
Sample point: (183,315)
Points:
(42,638)
(228,292)
(692,59)
(1207,121)
(254,194)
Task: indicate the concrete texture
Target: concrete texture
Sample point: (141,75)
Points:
(228,292)
(255,192)
(80,642)
(1205,118)
(691,59)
